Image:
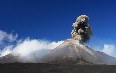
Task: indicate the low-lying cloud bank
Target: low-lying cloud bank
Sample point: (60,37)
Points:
(31,48)
(109,49)
(28,47)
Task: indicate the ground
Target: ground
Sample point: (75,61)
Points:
(55,68)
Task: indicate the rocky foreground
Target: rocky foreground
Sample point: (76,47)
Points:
(55,68)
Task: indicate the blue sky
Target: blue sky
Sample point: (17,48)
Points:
(52,19)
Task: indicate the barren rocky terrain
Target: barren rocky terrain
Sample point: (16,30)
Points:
(55,68)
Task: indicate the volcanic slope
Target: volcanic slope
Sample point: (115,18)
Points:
(70,51)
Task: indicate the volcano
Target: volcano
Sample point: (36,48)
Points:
(70,51)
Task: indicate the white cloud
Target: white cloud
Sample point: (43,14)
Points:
(109,49)
(6,39)
(6,50)
(28,47)
(6,36)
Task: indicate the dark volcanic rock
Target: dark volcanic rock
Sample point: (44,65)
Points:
(10,58)
(55,68)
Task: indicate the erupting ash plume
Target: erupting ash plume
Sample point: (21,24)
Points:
(82,30)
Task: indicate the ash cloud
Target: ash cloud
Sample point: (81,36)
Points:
(82,30)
